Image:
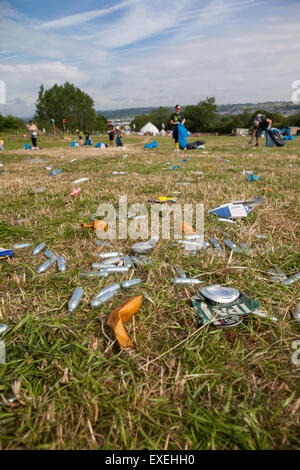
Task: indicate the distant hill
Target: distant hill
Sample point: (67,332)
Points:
(127,113)
(286,108)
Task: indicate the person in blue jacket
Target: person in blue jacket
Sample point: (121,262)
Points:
(175,119)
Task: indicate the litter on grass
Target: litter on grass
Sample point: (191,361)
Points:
(121,315)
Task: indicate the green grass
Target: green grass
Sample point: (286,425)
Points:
(181,386)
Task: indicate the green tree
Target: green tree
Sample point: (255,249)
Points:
(139,121)
(65,102)
(202,116)
(101,123)
(159,116)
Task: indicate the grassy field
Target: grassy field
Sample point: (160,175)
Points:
(182,386)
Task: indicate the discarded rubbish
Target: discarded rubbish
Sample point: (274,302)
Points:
(121,315)
(48,168)
(38,248)
(223,306)
(5,253)
(232,246)
(3,328)
(297,313)
(49,254)
(253,178)
(131,283)
(264,315)
(220,294)
(216,244)
(75,299)
(110,254)
(220,219)
(261,236)
(18,246)
(81,180)
(186,280)
(120,172)
(100,273)
(116,269)
(55,172)
(230,210)
(20,221)
(162,199)
(181,273)
(45,266)
(292,279)
(277,275)
(99,242)
(75,192)
(98,225)
(2,353)
(100,299)
(136,261)
(145,247)
(40,190)
(61,265)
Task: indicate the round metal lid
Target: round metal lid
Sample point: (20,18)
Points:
(220,294)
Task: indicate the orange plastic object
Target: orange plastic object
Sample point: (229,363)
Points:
(122,314)
(187,229)
(96,225)
(208,168)
(269,189)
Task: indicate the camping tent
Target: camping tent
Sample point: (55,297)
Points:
(149,129)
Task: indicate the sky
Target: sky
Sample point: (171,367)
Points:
(134,53)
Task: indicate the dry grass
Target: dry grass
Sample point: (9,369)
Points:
(183,386)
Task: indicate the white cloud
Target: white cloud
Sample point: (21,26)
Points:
(80,18)
(176,50)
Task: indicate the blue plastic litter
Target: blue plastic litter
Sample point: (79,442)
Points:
(27,147)
(55,172)
(153,145)
(5,253)
(253,178)
(182,135)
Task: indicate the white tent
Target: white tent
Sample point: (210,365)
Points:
(149,129)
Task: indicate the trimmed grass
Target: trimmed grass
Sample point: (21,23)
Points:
(183,386)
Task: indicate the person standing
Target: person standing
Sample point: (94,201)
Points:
(33,131)
(175,119)
(260,123)
(111,135)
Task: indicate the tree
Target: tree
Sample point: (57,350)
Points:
(160,116)
(65,102)
(202,116)
(101,123)
(139,121)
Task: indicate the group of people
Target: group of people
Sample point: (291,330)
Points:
(112,132)
(260,124)
(80,135)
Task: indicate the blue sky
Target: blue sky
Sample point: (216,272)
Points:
(131,53)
